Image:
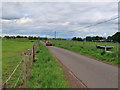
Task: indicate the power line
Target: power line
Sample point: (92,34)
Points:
(102,22)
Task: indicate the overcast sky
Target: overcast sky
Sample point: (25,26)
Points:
(67,19)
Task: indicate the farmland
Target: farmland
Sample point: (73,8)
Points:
(89,49)
(11,56)
(46,71)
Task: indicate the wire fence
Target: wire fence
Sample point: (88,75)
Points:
(31,53)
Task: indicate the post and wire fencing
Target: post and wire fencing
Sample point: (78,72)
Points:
(31,53)
(105,45)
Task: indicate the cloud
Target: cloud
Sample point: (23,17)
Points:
(67,19)
(24,20)
(6,21)
(66,23)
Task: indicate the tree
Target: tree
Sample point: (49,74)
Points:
(7,37)
(116,37)
(30,38)
(18,36)
(74,38)
(88,38)
(79,39)
(109,38)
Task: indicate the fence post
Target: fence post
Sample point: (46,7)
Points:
(30,63)
(95,44)
(33,53)
(105,45)
(89,43)
(4,86)
(24,70)
(83,43)
(76,43)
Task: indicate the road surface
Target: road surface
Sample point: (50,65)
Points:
(93,73)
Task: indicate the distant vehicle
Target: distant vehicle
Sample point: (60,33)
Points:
(48,43)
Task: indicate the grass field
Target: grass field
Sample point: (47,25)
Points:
(90,50)
(46,71)
(11,56)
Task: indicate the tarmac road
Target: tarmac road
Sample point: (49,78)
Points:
(93,73)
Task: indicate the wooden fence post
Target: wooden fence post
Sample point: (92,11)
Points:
(105,45)
(24,70)
(89,43)
(76,43)
(33,53)
(83,43)
(95,44)
(30,64)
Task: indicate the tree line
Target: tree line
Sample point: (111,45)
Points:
(25,37)
(113,38)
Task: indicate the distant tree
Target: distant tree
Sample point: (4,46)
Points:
(88,38)
(8,37)
(109,38)
(74,38)
(116,37)
(18,36)
(13,37)
(30,38)
(25,37)
(79,39)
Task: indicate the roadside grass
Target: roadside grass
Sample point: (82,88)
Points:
(11,56)
(91,51)
(46,71)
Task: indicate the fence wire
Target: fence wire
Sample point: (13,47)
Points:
(17,80)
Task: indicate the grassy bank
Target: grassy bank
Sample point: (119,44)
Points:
(46,71)
(11,56)
(89,49)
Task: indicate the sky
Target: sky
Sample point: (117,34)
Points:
(68,19)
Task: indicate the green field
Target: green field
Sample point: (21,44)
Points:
(46,71)
(11,56)
(89,49)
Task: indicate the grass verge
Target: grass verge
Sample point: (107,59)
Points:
(46,71)
(89,49)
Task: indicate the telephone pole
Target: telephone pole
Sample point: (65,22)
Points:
(55,35)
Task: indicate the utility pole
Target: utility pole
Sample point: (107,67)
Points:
(55,35)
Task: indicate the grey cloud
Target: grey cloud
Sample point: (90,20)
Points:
(50,17)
